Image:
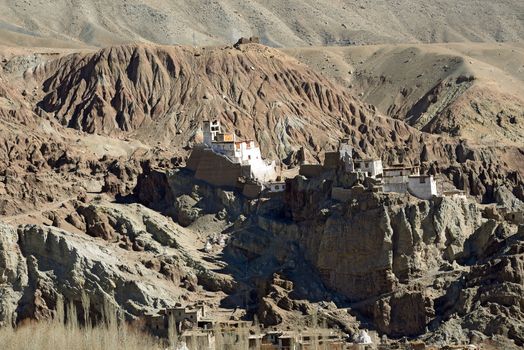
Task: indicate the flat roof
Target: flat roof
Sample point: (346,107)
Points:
(398,168)
(416,176)
(366,160)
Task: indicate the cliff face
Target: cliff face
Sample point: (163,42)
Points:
(443,270)
(406,265)
(125,257)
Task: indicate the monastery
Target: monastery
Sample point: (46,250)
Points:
(223,160)
(246,153)
(396,178)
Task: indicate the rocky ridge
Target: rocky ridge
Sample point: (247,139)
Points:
(402,266)
(296,23)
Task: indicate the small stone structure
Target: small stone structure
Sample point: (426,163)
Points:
(402,179)
(198,339)
(193,314)
(456,194)
(244,40)
(305,339)
(422,186)
(372,167)
(159,323)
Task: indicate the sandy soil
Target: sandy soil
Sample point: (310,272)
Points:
(395,78)
(73,23)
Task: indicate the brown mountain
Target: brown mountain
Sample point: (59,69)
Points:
(159,95)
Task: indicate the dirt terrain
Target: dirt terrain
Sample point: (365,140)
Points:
(71,23)
(469,90)
(99,112)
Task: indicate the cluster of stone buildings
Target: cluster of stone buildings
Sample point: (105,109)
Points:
(194,315)
(223,160)
(196,330)
(395,178)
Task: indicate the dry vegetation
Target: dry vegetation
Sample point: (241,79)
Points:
(65,332)
(54,335)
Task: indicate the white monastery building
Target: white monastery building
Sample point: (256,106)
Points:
(397,178)
(239,152)
(372,167)
(422,186)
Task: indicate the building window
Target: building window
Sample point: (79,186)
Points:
(422,180)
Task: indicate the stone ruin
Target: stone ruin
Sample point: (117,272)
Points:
(244,40)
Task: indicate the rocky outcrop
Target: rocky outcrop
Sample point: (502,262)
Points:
(13,274)
(41,266)
(488,298)
(399,262)
(60,264)
(177,194)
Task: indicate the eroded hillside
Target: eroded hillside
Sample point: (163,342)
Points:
(94,198)
(469,90)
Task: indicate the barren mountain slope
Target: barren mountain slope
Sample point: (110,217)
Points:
(470,90)
(162,94)
(290,23)
(159,96)
(87,135)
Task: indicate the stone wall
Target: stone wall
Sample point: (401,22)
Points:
(332,160)
(217,170)
(311,170)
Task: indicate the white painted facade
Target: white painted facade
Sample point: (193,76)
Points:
(395,179)
(240,152)
(422,186)
(346,154)
(372,167)
(398,185)
(211,129)
(401,179)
